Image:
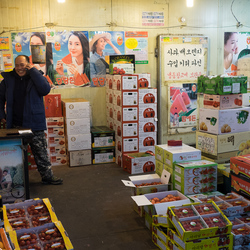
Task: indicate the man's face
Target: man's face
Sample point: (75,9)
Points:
(20,65)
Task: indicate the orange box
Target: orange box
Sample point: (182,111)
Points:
(52,104)
(241,187)
(240,166)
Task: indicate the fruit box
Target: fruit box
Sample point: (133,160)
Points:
(222,85)
(79,157)
(236,143)
(148,95)
(222,101)
(55,122)
(215,196)
(195,176)
(52,105)
(240,166)
(241,186)
(158,242)
(125,82)
(42,207)
(102,136)
(198,221)
(144,80)
(55,237)
(160,208)
(126,129)
(137,163)
(147,141)
(79,141)
(125,98)
(241,234)
(75,126)
(76,108)
(121,68)
(147,111)
(224,121)
(144,184)
(4,240)
(171,235)
(103,155)
(54,131)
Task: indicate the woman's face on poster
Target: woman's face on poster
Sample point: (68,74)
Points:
(232,43)
(74,46)
(101,44)
(35,40)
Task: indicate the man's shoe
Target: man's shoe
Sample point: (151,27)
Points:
(53,180)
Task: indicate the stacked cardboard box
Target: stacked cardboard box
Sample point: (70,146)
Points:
(223,123)
(76,112)
(103,144)
(131,112)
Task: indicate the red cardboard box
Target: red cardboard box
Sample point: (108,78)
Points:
(53,107)
(240,166)
(241,187)
(125,98)
(127,144)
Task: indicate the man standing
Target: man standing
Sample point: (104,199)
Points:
(23,89)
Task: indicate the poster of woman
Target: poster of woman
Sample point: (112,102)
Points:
(71,59)
(21,45)
(103,44)
(235,47)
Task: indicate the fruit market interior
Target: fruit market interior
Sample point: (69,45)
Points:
(124,124)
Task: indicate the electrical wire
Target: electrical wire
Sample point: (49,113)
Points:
(238,23)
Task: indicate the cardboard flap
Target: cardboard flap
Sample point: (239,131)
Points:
(143,177)
(165,176)
(141,200)
(128,183)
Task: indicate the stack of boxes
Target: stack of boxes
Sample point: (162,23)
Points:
(76,112)
(224,125)
(103,144)
(131,112)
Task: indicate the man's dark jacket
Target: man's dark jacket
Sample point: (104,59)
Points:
(34,112)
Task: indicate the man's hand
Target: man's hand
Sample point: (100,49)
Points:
(29,66)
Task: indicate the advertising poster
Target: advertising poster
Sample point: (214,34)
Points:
(150,18)
(236,46)
(101,44)
(11,171)
(7,62)
(71,59)
(4,43)
(182,105)
(21,45)
(183,61)
(136,43)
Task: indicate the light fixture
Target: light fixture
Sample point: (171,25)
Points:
(190,3)
(61,1)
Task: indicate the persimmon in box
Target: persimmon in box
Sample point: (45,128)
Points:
(49,236)
(241,234)
(195,227)
(167,198)
(151,183)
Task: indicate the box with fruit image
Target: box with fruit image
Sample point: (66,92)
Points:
(182,105)
(28,214)
(240,166)
(222,101)
(125,82)
(224,121)
(150,183)
(49,236)
(147,141)
(224,240)
(198,221)
(195,177)
(148,95)
(159,202)
(236,143)
(125,98)
(137,163)
(197,197)
(242,187)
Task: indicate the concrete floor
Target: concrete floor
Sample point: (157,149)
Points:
(95,207)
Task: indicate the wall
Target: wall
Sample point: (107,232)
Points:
(208,17)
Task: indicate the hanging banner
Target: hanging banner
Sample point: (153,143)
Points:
(21,45)
(182,106)
(136,42)
(183,61)
(101,45)
(236,47)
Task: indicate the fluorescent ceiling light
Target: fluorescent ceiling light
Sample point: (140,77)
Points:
(190,3)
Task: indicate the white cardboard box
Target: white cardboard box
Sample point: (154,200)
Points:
(126,129)
(148,95)
(147,111)
(127,144)
(76,108)
(125,82)
(125,98)
(126,114)
(147,126)
(77,126)
(79,142)
(144,80)
(160,208)
(224,121)
(80,158)
(149,178)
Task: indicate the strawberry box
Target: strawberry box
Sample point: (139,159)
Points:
(209,221)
